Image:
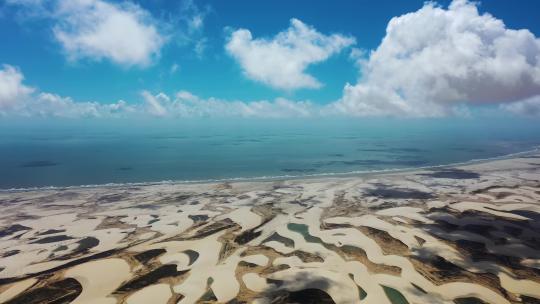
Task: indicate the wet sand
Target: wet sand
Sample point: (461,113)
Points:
(466,234)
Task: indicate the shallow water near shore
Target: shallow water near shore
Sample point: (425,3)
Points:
(69,154)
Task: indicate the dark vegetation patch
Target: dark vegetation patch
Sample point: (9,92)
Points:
(479,229)
(469,300)
(207,230)
(146,256)
(60,292)
(60,248)
(304,296)
(208,297)
(13,229)
(535,216)
(529,300)
(86,244)
(111,198)
(358,254)
(453,174)
(97,256)
(388,244)
(152,277)
(147,206)
(51,231)
(10,253)
(52,239)
(248,235)
(306,257)
(150,222)
(278,238)
(383,191)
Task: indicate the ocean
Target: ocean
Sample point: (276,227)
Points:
(43,153)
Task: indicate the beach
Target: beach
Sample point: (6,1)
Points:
(457,234)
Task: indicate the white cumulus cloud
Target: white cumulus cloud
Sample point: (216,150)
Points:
(123,33)
(20,100)
(119,31)
(12,89)
(281,61)
(434,59)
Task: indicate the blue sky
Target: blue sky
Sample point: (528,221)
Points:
(188,49)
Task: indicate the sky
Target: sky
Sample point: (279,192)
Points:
(273,59)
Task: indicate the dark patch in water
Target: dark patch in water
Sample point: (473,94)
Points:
(208,296)
(198,218)
(394,296)
(193,256)
(375,162)
(125,168)
(453,174)
(372,150)
(293,170)
(336,155)
(362,294)
(146,256)
(13,229)
(61,292)
(467,149)
(392,150)
(38,164)
(304,231)
(398,193)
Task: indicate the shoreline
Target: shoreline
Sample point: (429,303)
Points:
(315,176)
(426,236)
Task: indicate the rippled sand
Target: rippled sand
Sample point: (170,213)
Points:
(468,234)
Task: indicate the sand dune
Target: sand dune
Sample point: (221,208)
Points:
(469,234)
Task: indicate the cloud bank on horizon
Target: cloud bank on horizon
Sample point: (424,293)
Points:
(432,62)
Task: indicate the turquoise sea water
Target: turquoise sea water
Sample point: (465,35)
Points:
(67,153)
